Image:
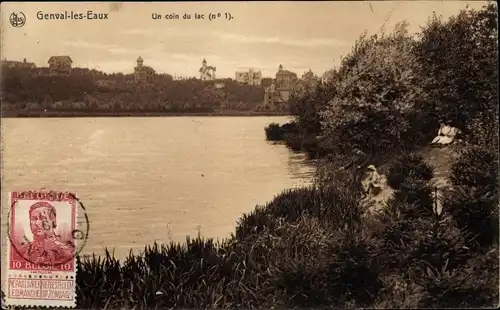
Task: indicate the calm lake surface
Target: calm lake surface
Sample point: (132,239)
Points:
(151,179)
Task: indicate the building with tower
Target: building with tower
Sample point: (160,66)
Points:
(282,88)
(285,80)
(143,74)
(207,73)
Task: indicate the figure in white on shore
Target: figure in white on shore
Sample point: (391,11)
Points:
(446,134)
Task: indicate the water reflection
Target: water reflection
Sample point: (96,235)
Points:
(301,168)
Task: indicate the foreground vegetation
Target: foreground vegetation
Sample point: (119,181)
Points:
(319,246)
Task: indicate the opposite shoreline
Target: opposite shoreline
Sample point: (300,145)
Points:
(10,114)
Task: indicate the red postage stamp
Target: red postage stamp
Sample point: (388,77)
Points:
(42,249)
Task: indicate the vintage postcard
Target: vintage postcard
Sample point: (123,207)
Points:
(249,155)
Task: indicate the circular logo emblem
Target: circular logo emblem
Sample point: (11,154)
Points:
(17,19)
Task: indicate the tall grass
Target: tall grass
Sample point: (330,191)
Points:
(309,247)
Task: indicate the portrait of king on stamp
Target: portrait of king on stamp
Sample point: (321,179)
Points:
(42,249)
(41,233)
(46,247)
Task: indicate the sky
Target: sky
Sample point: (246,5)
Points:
(262,35)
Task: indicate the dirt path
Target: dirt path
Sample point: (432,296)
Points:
(440,158)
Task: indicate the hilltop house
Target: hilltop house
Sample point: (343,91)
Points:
(272,96)
(143,74)
(250,77)
(285,80)
(279,92)
(207,73)
(60,65)
(18,64)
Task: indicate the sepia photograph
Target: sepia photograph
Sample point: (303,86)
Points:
(249,155)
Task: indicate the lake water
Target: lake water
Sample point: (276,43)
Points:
(151,179)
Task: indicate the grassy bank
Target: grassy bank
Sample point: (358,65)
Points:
(318,247)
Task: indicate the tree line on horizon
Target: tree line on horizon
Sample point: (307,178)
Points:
(90,90)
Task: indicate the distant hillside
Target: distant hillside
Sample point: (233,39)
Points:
(90,90)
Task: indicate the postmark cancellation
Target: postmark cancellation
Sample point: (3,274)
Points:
(41,248)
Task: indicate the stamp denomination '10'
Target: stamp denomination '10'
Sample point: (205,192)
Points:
(42,249)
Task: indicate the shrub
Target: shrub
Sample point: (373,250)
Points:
(308,144)
(98,281)
(277,132)
(274,132)
(459,60)
(424,253)
(319,265)
(290,127)
(306,107)
(294,142)
(475,285)
(416,198)
(304,249)
(406,166)
(476,167)
(175,275)
(353,273)
(411,178)
(473,201)
(254,222)
(376,87)
(475,213)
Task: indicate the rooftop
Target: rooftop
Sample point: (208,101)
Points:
(60,58)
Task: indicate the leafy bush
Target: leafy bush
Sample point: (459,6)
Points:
(459,60)
(406,166)
(306,107)
(277,132)
(471,286)
(274,132)
(411,178)
(308,247)
(476,167)
(377,87)
(473,201)
(416,198)
(475,213)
